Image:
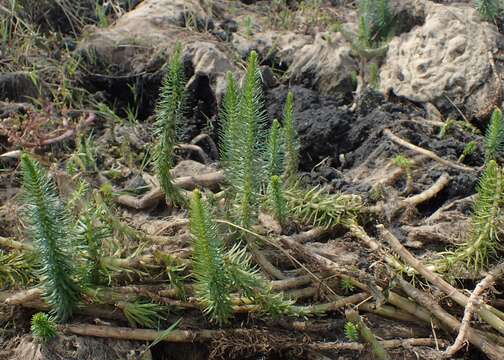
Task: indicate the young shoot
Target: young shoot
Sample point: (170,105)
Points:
(405,164)
(486,224)
(169,113)
(276,200)
(468,150)
(48,227)
(494,136)
(43,327)
(488,9)
(351,331)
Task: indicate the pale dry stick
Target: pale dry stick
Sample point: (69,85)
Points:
(388,311)
(152,198)
(473,301)
(310,235)
(386,344)
(493,351)
(24,296)
(213,148)
(487,313)
(265,264)
(428,194)
(188,336)
(197,149)
(177,336)
(425,152)
(291,283)
(16,245)
(357,231)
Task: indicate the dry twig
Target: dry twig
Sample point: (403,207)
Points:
(425,152)
(471,304)
(486,312)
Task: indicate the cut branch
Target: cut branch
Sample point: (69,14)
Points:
(430,193)
(471,304)
(487,313)
(493,351)
(152,198)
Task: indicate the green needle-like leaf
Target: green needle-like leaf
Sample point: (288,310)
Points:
(169,113)
(47,225)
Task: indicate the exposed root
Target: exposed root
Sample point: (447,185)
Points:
(493,351)
(425,152)
(386,344)
(195,148)
(430,193)
(486,312)
(471,304)
(213,148)
(152,198)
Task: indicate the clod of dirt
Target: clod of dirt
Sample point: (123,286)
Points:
(449,56)
(322,123)
(17,86)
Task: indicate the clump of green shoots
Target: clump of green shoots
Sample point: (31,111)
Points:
(219,272)
(406,165)
(488,9)
(243,140)
(48,228)
(351,331)
(143,313)
(169,113)
(16,268)
(468,150)
(494,136)
(276,199)
(43,327)
(486,218)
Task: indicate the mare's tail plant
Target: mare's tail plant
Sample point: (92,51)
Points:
(169,113)
(375,22)
(243,138)
(494,136)
(230,123)
(276,199)
(48,227)
(486,224)
(488,9)
(218,272)
(274,150)
(90,234)
(212,284)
